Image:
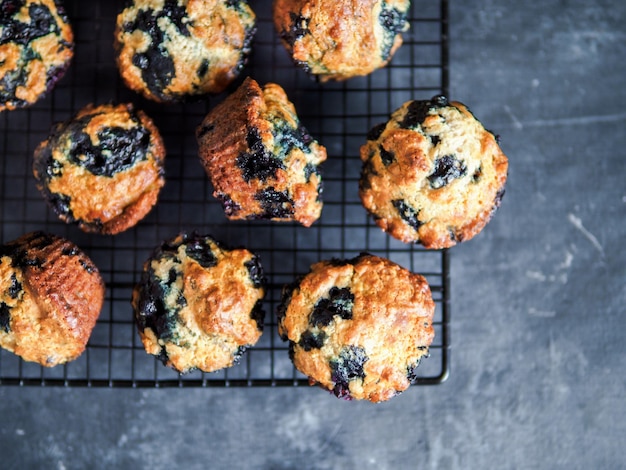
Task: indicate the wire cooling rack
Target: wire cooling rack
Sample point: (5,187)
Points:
(338,115)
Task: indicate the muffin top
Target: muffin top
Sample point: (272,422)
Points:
(169,50)
(102,169)
(358,327)
(432,174)
(198,303)
(36,46)
(337,40)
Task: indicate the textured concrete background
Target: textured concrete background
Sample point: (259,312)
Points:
(538,316)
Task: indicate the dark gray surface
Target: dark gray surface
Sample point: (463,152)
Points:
(538,299)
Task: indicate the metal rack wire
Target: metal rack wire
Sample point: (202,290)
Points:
(336,114)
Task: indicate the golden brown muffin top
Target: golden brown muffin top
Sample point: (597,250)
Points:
(432,174)
(170,50)
(337,40)
(103,168)
(358,327)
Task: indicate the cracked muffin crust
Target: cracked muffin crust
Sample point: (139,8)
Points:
(102,169)
(337,40)
(358,327)
(51,295)
(432,174)
(198,304)
(169,50)
(262,162)
(36,47)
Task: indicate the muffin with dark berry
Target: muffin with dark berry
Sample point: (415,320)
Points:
(358,327)
(261,160)
(176,49)
(36,47)
(432,174)
(198,303)
(102,169)
(341,39)
(51,295)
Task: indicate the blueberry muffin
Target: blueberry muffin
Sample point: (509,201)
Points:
(36,47)
(432,174)
(102,169)
(358,327)
(198,304)
(169,50)
(262,162)
(51,295)
(340,39)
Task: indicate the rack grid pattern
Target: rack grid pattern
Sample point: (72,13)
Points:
(338,115)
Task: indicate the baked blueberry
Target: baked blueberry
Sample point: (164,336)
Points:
(341,39)
(261,160)
(102,169)
(198,303)
(357,327)
(177,49)
(442,184)
(36,47)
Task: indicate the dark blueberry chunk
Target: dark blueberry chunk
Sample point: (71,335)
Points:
(408,214)
(411,371)
(5,317)
(348,366)
(339,303)
(255,271)
(87,266)
(338,262)
(239,353)
(376,131)
(155,63)
(498,199)
(447,168)
(439,101)
(275,204)
(312,340)
(258,315)
(41,23)
(203,69)
(152,312)
(386,156)
(119,149)
(287,138)
(235,4)
(70,251)
(299,28)
(310,170)
(61,205)
(258,162)
(230,207)
(157,71)
(177,14)
(46,166)
(201,252)
(435,139)
(417,111)
(15,288)
(393,21)
(477,175)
